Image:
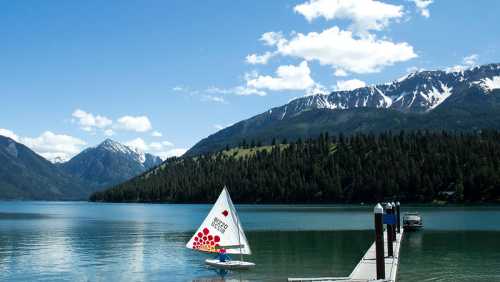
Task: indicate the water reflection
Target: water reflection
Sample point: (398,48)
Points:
(94,242)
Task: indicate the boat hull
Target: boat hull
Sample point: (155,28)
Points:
(412,227)
(230,264)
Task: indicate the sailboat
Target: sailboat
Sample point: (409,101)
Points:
(221,232)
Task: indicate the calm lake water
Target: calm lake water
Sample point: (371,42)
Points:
(78,241)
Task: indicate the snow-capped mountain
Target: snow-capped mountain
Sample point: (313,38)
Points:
(417,92)
(109,163)
(462,100)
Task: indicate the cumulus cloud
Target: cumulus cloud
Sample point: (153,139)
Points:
(173,153)
(255,59)
(54,146)
(9,133)
(423,7)
(288,77)
(156,134)
(346,85)
(161,149)
(342,50)
(467,62)
(340,72)
(89,122)
(271,38)
(365,14)
(471,60)
(138,143)
(134,123)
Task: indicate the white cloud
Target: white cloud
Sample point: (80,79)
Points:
(52,146)
(288,77)
(173,153)
(89,122)
(10,134)
(156,146)
(245,91)
(218,126)
(216,99)
(134,123)
(346,85)
(238,90)
(364,14)
(109,132)
(423,7)
(471,60)
(138,143)
(340,72)
(161,149)
(467,62)
(341,50)
(255,59)
(271,38)
(156,134)
(167,144)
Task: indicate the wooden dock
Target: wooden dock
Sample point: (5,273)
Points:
(366,268)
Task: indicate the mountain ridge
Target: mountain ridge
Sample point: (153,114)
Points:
(416,99)
(25,175)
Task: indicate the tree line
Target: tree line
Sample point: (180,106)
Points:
(410,167)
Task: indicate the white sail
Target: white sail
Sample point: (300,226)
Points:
(221,229)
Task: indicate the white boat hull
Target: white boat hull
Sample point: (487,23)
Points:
(230,264)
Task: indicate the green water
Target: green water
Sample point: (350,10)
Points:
(76,241)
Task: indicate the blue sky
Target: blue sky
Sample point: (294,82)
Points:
(73,73)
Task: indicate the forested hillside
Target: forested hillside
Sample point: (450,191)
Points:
(412,167)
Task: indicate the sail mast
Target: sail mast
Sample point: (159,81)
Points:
(239,235)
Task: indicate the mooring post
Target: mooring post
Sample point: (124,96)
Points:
(379,241)
(394,226)
(389,211)
(398,211)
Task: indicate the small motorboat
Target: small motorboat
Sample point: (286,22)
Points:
(412,221)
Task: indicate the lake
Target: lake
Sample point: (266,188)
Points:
(80,241)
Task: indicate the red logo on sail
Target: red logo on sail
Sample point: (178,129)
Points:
(206,242)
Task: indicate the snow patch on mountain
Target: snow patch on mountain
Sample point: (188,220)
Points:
(489,84)
(117,147)
(436,97)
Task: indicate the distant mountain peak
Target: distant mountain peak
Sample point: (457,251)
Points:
(115,146)
(109,163)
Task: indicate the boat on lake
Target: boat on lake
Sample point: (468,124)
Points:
(412,221)
(221,233)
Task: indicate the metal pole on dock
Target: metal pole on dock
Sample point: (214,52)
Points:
(398,211)
(394,226)
(379,241)
(390,251)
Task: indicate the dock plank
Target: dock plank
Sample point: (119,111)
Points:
(366,269)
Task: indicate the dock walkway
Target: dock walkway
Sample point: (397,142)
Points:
(366,268)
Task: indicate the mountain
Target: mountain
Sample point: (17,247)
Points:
(108,164)
(27,176)
(435,100)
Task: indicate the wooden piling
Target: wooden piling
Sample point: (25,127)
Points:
(379,241)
